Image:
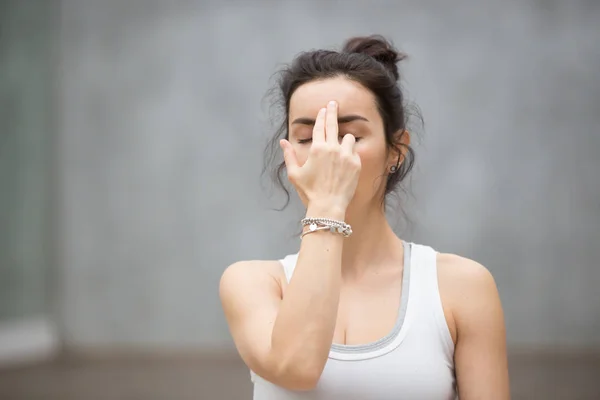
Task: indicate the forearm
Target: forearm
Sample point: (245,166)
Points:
(303,330)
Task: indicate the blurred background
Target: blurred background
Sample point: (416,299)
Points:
(131,148)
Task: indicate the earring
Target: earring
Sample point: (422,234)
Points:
(394,168)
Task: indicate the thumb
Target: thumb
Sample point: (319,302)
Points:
(289,156)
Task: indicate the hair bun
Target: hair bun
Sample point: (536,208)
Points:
(377,47)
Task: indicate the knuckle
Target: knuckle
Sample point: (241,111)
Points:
(347,158)
(317,148)
(326,148)
(333,148)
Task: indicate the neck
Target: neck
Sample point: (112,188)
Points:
(372,245)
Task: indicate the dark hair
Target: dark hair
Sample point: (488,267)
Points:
(368,60)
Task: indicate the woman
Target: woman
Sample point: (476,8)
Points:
(358,313)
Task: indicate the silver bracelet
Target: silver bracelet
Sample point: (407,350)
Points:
(320,228)
(315,224)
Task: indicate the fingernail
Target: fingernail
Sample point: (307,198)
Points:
(332,103)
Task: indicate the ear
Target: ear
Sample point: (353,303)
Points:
(398,152)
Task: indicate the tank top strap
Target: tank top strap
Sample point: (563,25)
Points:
(289,263)
(424,263)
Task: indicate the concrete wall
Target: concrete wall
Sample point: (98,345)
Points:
(26,118)
(27,33)
(162,128)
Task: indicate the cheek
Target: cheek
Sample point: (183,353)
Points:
(372,159)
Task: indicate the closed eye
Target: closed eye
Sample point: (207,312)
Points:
(302,141)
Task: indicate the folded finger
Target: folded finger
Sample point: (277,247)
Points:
(348,142)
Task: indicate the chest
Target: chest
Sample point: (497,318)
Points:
(369,311)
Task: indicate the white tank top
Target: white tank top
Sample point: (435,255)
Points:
(414,361)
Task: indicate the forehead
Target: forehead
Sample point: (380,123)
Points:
(352,98)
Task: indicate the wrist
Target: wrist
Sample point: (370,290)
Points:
(324,210)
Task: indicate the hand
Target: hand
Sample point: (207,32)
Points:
(330,175)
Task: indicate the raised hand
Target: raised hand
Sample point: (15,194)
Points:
(329,177)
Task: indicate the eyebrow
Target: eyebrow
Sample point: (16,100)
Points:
(341,120)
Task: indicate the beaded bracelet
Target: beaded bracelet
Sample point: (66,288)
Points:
(319,224)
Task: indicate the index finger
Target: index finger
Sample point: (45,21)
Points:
(319,127)
(331,123)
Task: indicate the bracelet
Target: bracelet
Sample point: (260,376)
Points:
(319,224)
(320,228)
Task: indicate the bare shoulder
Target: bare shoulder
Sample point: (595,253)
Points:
(462,273)
(243,277)
(250,273)
(252,268)
(468,291)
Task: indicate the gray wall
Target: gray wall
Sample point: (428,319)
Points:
(25,136)
(162,129)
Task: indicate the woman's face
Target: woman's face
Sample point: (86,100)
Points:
(358,115)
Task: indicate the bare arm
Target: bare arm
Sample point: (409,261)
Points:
(480,355)
(304,327)
(286,341)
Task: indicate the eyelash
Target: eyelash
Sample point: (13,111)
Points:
(303,141)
